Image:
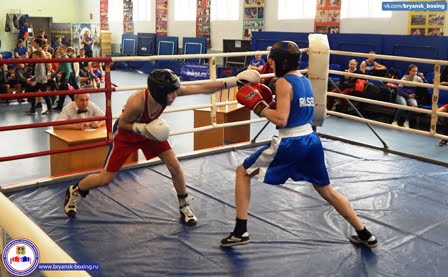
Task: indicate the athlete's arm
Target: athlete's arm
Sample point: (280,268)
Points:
(362,67)
(379,66)
(207,88)
(133,110)
(279,116)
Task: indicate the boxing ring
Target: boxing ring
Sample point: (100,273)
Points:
(131,227)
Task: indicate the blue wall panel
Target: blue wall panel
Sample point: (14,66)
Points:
(146,44)
(167,45)
(194,46)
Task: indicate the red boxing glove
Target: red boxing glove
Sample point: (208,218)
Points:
(266,93)
(252,99)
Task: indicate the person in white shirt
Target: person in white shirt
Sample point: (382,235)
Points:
(80,107)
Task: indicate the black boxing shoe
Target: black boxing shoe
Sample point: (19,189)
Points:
(72,196)
(372,242)
(234,240)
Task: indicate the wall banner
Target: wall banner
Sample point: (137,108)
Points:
(162,17)
(104,14)
(203,21)
(128,12)
(328,14)
(253,17)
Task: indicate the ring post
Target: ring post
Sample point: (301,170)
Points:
(212,67)
(319,64)
(435,99)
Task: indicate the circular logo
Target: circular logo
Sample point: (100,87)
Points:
(20,257)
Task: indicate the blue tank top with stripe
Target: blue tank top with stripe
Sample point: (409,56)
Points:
(370,67)
(302,104)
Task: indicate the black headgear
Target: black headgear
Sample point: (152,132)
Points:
(161,82)
(286,55)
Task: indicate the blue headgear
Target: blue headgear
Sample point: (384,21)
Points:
(161,82)
(286,55)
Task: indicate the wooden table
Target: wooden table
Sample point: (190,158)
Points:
(82,160)
(221,136)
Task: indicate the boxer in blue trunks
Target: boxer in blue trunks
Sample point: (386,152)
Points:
(295,153)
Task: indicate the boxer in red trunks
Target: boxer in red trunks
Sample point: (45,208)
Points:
(139,128)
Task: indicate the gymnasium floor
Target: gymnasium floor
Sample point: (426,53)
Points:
(131,227)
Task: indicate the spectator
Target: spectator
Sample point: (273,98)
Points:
(42,36)
(20,52)
(346,86)
(81,107)
(23,31)
(444,109)
(407,94)
(267,68)
(57,43)
(4,86)
(256,64)
(38,82)
(87,41)
(83,66)
(75,79)
(66,70)
(96,73)
(370,67)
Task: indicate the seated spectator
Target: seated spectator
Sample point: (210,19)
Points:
(4,86)
(20,52)
(444,121)
(407,94)
(370,67)
(267,68)
(96,73)
(83,66)
(257,63)
(346,85)
(81,107)
(21,75)
(57,43)
(444,108)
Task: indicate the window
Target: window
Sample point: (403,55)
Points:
(185,10)
(115,11)
(296,9)
(363,9)
(223,10)
(142,10)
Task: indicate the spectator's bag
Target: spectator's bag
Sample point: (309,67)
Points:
(360,85)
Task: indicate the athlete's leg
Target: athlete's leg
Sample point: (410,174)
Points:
(344,208)
(242,191)
(341,204)
(178,178)
(240,236)
(176,171)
